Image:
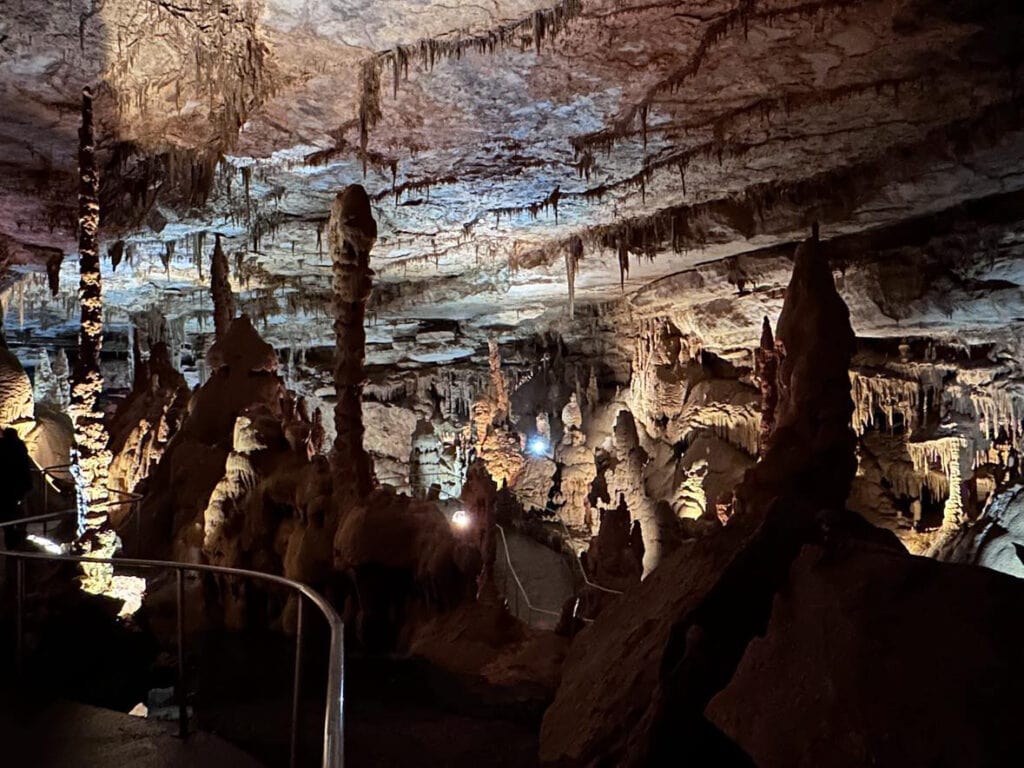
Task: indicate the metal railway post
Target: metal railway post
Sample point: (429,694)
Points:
(20,620)
(182,703)
(296,685)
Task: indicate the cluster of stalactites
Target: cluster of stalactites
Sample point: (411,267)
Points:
(889,396)
(953,456)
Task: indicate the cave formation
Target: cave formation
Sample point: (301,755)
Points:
(641,384)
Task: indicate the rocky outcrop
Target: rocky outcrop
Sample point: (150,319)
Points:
(16,401)
(845,674)
(243,375)
(146,421)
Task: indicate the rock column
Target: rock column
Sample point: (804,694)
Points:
(96,537)
(351,234)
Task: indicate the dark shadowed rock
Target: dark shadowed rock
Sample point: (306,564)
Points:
(872,658)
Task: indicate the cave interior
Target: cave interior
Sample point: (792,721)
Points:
(626,383)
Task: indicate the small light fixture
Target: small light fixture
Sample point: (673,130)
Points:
(538,445)
(460,519)
(47,545)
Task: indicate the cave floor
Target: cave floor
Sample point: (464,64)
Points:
(63,734)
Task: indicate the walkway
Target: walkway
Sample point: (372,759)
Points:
(62,734)
(544,575)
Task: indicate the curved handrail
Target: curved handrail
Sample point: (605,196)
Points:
(583,571)
(333,738)
(519,584)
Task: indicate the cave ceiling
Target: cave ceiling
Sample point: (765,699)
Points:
(684,143)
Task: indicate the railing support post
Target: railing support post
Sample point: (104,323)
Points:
(296,684)
(182,703)
(19,588)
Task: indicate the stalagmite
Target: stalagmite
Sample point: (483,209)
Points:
(625,483)
(810,458)
(572,418)
(43,383)
(62,381)
(766,365)
(351,234)
(579,471)
(499,389)
(220,289)
(95,534)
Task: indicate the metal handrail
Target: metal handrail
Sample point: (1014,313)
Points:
(333,738)
(583,571)
(519,584)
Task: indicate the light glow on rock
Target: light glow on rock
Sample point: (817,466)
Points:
(461,519)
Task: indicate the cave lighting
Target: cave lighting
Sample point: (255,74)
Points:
(538,446)
(461,519)
(47,545)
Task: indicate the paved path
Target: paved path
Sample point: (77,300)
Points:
(544,575)
(66,735)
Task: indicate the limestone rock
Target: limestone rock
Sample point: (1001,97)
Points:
(845,674)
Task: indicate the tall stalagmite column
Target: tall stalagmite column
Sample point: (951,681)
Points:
(351,234)
(766,368)
(810,458)
(95,537)
(220,288)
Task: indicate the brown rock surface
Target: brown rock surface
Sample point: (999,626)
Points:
(865,661)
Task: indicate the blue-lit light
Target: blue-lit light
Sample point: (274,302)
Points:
(538,446)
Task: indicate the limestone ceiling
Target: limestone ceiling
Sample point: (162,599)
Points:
(490,134)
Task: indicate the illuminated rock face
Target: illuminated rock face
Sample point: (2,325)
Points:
(145,422)
(16,402)
(688,664)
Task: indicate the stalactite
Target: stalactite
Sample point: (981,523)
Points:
(95,534)
(623,254)
(573,255)
(220,289)
(116,252)
(891,396)
(53,265)
(352,232)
